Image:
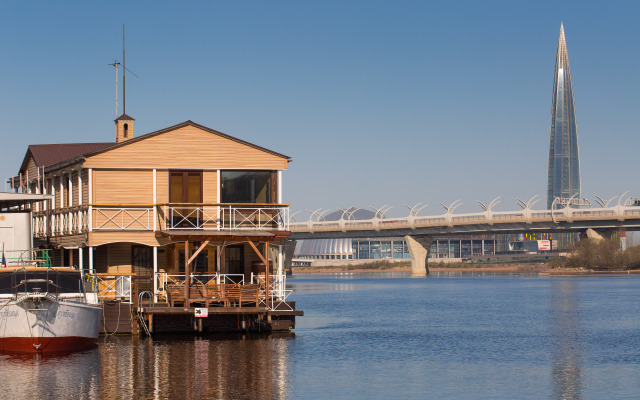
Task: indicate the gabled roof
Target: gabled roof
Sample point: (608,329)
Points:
(45,155)
(190,123)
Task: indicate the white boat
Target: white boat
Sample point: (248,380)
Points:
(46,310)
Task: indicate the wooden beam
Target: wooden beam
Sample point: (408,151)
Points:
(187,272)
(258,252)
(195,254)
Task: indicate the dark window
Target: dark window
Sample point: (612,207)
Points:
(248,187)
(234,260)
(199,265)
(126,130)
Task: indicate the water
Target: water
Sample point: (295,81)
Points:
(368,336)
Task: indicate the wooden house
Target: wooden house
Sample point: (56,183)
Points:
(179,202)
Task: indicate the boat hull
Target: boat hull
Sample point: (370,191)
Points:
(45,325)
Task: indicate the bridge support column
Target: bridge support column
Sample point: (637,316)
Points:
(289,249)
(419,248)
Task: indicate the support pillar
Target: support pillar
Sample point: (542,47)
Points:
(155,277)
(419,248)
(289,249)
(81,261)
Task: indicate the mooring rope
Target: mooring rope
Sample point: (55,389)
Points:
(104,318)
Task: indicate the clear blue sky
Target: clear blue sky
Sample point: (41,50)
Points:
(377,102)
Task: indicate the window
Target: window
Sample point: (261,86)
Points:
(248,187)
(126,130)
(234,259)
(185,187)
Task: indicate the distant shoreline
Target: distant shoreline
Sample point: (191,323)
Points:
(540,269)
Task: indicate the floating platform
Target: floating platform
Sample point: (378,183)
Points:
(166,319)
(125,318)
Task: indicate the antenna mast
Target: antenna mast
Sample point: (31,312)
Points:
(115,64)
(124,75)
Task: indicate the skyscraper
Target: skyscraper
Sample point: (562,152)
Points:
(564,163)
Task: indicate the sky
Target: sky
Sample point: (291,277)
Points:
(376,102)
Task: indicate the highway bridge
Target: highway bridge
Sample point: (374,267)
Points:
(574,216)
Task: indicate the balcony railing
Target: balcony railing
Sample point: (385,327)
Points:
(232,217)
(226,216)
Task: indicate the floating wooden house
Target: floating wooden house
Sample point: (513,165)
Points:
(186,223)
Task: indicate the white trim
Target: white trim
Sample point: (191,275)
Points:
(90,215)
(61,191)
(279,199)
(80,188)
(219,188)
(80,261)
(155,208)
(70,194)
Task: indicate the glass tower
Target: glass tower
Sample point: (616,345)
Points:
(564,163)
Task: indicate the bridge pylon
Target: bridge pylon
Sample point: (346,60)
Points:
(419,248)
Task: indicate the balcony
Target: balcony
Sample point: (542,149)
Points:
(214,217)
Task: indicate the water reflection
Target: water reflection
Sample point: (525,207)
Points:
(567,339)
(50,376)
(230,366)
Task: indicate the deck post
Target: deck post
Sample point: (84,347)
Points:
(80,261)
(419,248)
(266,273)
(155,274)
(91,271)
(187,273)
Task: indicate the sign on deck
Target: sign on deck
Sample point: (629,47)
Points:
(201,312)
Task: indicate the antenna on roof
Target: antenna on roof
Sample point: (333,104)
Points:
(124,75)
(115,64)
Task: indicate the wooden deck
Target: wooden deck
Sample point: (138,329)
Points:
(219,319)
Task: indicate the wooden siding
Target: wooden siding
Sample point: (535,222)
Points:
(187,148)
(69,240)
(210,187)
(119,258)
(162,186)
(99,238)
(122,187)
(85,186)
(32,170)
(75,192)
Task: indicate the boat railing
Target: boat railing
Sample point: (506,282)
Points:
(32,280)
(32,257)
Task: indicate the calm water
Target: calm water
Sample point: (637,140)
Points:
(389,336)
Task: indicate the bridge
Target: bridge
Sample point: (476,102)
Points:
(419,231)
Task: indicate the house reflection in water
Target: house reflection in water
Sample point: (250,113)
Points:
(221,367)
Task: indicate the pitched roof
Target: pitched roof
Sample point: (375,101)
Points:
(51,154)
(124,117)
(182,125)
(45,155)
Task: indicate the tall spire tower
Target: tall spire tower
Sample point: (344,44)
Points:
(564,163)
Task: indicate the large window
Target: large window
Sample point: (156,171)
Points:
(248,187)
